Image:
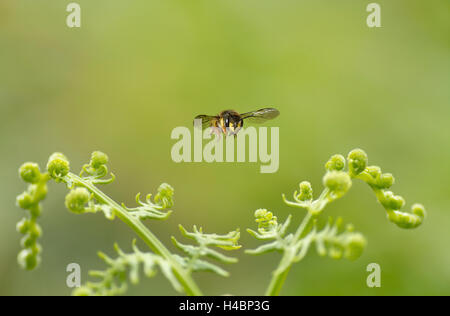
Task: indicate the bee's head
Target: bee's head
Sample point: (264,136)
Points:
(235,126)
(230,122)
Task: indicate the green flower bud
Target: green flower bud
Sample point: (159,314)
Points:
(77,199)
(338,182)
(374,171)
(357,161)
(27,259)
(260,213)
(36,249)
(27,241)
(265,219)
(306,191)
(336,163)
(419,210)
(407,220)
(58,166)
(391,201)
(335,253)
(264,215)
(25,201)
(98,159)
(35,231)
(385,181)
(29,172)
(35,210)
(164,197)
(397,202)
(355,246)
(23,226)
(386,198)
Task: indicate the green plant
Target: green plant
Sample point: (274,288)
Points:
(332,240)
(85,197)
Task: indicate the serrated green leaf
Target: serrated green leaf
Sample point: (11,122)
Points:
(113,280)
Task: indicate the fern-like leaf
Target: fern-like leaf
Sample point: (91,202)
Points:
(155,209)
(270,229)
(330,240)
(335,242)
(114,280)
(193,261)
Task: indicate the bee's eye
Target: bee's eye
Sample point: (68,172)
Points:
(227,122)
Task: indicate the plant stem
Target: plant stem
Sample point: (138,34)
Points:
(277,282)
(301,229)
(280,274)
(183,276)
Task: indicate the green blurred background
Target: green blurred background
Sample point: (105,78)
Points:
(137,69)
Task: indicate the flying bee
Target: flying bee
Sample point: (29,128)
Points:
(230,122)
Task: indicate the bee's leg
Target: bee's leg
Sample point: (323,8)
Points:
(231,130)
(219,136)
(216,131)
(236,128)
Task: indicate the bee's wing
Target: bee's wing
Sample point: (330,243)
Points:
(207,120)
(261,115)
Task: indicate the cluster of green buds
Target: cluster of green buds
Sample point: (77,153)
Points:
(335,163)
(357,161)
(164,197)
(347,244)
(337,181)
(85,197)
(331,240)
(80,200)
(29,256)
(96,168)
(266,220)
(381,183)
(270,229)
(58,166)
(305,193)
(77,200)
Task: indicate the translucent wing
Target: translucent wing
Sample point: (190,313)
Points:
(261,115)
(207,120)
